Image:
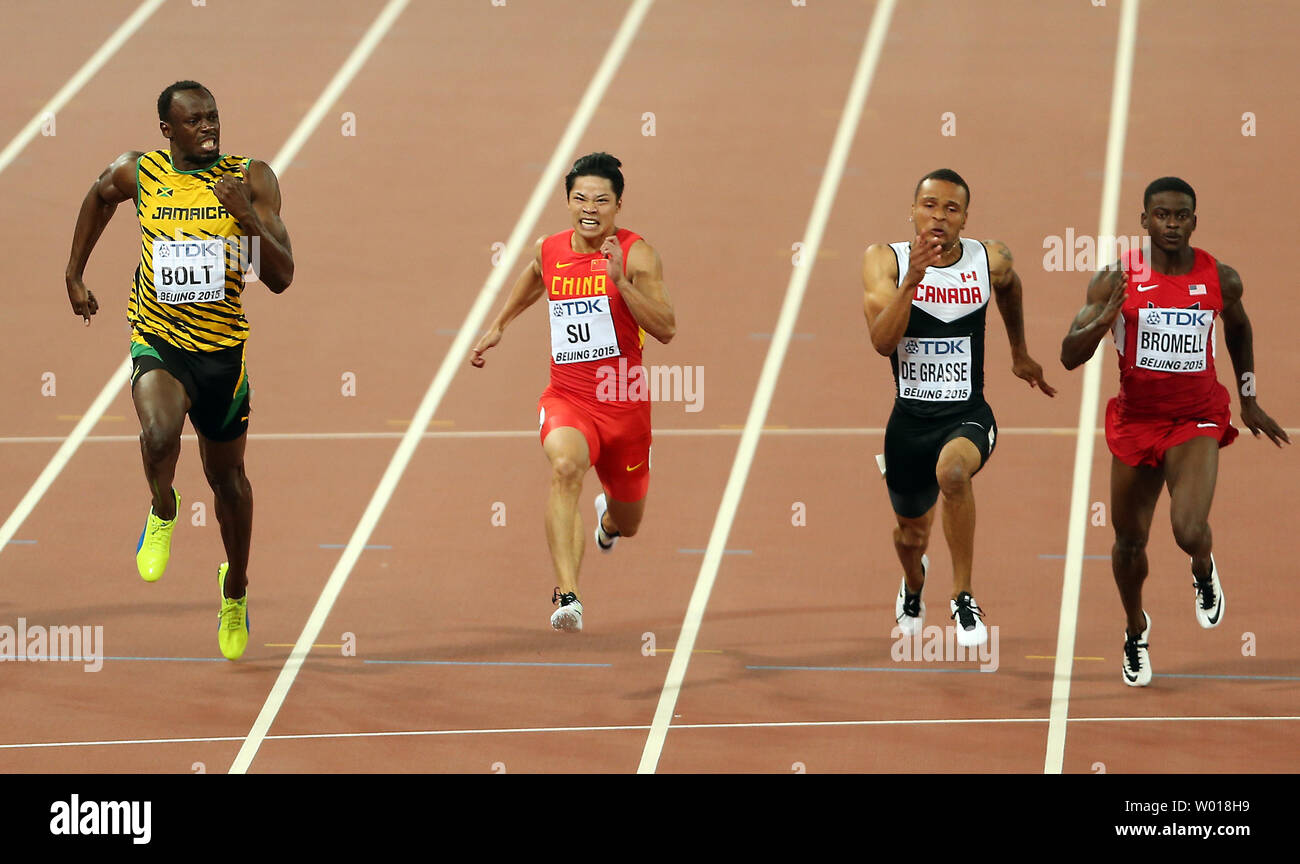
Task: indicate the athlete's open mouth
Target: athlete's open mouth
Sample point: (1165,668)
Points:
(208,143)
(588,223)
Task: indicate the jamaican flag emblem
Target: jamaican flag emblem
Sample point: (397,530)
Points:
(164,191)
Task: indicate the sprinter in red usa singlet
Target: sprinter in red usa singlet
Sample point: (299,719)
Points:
(1171,415)
(604,291)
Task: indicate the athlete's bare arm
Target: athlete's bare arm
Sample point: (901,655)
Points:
(887,305)
(1106,293)
(527,290)
(1009,294)
(641,283)
(1241,345)
(115,185)
(255,204)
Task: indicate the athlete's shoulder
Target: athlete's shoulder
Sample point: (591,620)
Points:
(995,248)
(880,264)
(885,253)
(155,162)
(1230,285)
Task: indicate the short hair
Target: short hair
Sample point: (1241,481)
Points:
(165,97)
(948,176)
(596,165)
(1167,184)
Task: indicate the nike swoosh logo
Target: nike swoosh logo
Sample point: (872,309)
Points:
(636,466)
(1148,287)
(559,266)
(1205,425)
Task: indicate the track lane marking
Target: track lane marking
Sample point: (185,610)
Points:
(834,172)
(454,360)
(1089,399)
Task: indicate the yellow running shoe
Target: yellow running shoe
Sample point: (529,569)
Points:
(155,545)
(232,629)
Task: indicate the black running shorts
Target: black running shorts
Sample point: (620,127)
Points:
(215,381)
(912,446)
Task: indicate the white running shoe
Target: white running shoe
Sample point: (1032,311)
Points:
(569,616)
(1209,599)
(1137,661)
(967,613)
(604,542)
(909,611)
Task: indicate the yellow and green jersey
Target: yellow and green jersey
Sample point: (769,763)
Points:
(193,256)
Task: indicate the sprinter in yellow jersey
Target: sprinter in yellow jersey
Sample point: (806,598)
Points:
(204,219)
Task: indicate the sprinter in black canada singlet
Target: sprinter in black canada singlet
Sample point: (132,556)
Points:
(925,303)
(205,218)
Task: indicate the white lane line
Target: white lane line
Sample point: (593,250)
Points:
(796,724)
(64,453)
(78,80)
(758,409)
(119,376)
(457,356)
(1079,495)
(341,80)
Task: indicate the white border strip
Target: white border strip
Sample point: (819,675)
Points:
(302,736)
(758,409)
(455,359)
(79,79)
(1119,100)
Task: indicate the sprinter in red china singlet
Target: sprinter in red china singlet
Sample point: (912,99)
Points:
(1171,415)
(604,291)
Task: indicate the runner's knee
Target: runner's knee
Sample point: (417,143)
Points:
(1190,534)
(160,441)
(565,471)
(230,485)
(1128,548)
(911,536)
(953,478)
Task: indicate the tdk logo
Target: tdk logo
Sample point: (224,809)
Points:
(937,347)
(580,307)
(1179,317)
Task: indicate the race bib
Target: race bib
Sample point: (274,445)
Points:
(189,271)
(1173,340)
(934,370)
(582,330)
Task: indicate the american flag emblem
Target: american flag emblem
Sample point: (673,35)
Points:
(1193,290)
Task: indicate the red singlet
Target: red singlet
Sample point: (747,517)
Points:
(1169,392)
(598,384)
